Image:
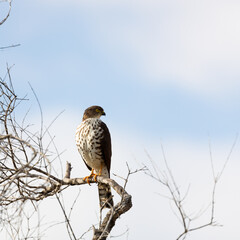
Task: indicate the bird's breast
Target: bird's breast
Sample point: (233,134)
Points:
(88,140)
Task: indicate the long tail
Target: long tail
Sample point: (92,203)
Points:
(105,195)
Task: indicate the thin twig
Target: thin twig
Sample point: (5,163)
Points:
(10,46)
(66,218)
(8,14)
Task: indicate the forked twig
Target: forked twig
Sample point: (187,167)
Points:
(167,180)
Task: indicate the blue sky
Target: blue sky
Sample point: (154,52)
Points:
(164,71)
(170,60)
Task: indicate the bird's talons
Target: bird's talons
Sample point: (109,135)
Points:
(86,179)
(95,177)
(92,174)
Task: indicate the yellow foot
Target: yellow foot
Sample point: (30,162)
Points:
(92,174)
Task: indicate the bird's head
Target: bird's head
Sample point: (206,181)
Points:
(93,112)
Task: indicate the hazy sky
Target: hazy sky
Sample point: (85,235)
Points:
(166,72)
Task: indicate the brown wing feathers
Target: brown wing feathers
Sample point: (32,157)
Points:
(106,146)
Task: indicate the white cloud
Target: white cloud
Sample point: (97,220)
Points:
(190,44)
(193,45)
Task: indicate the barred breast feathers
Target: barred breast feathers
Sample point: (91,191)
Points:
(89,137)
(90,125)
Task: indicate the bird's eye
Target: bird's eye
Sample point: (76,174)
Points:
(97,110)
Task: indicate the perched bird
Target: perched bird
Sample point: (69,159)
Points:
(93,141)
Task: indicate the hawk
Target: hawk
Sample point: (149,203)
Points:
(93,141)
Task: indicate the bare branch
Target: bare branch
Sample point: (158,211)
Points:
(10,46)
(168,181)
(69,226)
(8,14)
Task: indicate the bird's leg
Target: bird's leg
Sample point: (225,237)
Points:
(99,174)
(92,174)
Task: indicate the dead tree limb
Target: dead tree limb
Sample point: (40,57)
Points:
(114,213)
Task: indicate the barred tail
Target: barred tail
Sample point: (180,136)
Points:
(105,195)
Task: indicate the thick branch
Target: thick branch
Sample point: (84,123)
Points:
(114,213)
